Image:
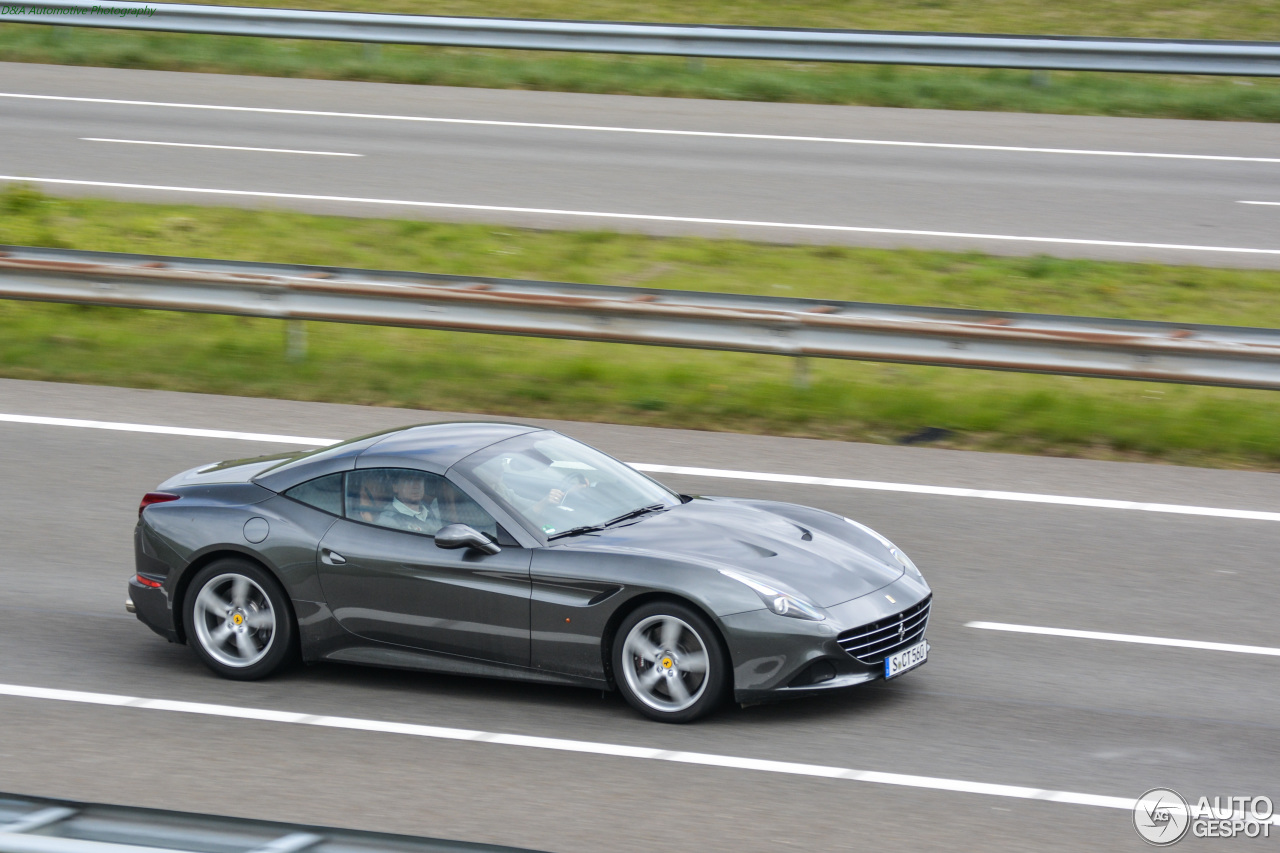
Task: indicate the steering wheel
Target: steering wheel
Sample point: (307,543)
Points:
(572,485)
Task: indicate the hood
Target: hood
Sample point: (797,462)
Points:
(822,568)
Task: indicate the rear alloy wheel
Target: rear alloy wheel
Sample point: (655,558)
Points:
(239,621)
(668,663)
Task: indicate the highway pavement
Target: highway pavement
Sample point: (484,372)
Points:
(1101,718)
(1131,189)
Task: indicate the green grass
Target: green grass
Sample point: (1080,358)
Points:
(819,83)
(523,377)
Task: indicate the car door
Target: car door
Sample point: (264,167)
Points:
(384,578)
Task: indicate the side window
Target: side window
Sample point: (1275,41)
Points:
(410,500)
(457,508)
(323,493)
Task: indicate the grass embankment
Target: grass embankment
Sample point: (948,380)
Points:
(1059,92)
(525,377)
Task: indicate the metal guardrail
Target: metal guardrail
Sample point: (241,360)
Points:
(994,340)
(30,825)
(1067,53)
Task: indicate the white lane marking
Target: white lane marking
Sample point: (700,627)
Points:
(772,137)
(1269,203)
(645,217)
(168,430)
(577,746)
(796,479)
(1126,638)
(219,147)
(948,491)
(701,759)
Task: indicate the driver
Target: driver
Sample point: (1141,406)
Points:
(410,510)
(540,511)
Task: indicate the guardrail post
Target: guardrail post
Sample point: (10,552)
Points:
(295,340)
(800,372)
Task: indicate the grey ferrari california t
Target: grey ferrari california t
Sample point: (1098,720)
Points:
(510,551)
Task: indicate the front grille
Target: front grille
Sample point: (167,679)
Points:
(873,643)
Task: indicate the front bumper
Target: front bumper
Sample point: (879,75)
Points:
(776,656)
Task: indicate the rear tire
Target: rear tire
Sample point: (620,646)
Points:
(239,621)
(668,662)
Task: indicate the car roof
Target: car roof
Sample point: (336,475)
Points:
(441,445)
(430,447)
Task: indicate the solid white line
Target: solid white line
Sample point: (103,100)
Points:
(611,750)
(577,746)
(220,147)
(643,217)
(653,131)
(1269,203)
(1126,638)
(948,491)
(168,430)
(795,479)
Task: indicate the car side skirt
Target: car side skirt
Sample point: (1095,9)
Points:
(398,657)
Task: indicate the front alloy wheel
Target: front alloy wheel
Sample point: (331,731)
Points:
(668,663)
(239,620)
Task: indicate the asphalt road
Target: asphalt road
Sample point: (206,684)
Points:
(1060,713)
(573,161)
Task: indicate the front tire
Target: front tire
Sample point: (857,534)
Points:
(238,620)
(668,663)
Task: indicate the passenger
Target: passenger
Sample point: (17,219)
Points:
(373,498)
(410,510)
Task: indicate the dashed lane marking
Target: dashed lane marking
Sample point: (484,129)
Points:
(1125,638)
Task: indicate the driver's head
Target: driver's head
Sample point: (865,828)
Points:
(409,488)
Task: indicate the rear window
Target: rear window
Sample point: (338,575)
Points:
(323,493)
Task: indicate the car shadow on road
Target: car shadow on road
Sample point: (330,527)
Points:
(498,704)
(527,702)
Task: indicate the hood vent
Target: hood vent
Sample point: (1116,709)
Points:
(759,550)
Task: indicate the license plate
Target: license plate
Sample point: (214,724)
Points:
(906,659)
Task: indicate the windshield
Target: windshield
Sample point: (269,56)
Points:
(557,484)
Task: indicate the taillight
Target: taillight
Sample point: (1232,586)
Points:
(155,498)
(147,581)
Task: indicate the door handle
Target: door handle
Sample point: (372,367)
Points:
(333,558)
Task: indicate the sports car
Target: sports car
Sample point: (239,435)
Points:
(510,551)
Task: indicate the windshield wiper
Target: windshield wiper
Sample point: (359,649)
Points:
(635,513)
(575,531)
(596,528)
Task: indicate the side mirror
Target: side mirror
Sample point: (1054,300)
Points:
(453,536)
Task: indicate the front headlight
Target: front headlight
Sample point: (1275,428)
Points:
(782,603)
(906,562)
(898,553)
